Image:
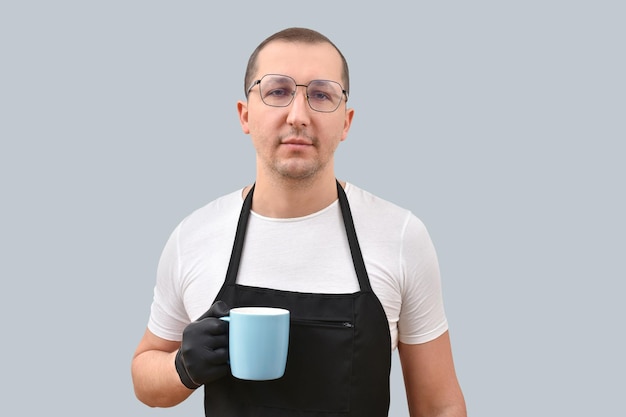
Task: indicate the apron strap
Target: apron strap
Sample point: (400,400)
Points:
(355,248)
(235,257)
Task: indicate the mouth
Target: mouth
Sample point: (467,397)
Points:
(296,142)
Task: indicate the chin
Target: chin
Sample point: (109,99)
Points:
(297,169)
(297,174)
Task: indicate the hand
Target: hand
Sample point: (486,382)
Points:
(203,354)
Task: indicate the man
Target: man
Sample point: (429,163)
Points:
(359,274)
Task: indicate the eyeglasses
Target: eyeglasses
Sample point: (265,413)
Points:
(279,90)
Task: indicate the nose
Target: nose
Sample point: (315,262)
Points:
(299,110)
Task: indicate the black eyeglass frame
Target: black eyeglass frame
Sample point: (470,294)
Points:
(306,86)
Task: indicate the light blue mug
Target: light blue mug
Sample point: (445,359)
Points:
(258,342)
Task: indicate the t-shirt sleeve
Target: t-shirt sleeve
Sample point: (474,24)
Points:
(168,316)
(422,316)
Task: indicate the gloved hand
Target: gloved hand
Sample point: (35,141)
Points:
(203,354)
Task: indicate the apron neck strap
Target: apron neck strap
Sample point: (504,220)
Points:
(355,249)
(240,234)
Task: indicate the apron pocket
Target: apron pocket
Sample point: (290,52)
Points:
(319,369)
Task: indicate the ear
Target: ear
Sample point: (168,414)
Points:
(242,109)
(347,123)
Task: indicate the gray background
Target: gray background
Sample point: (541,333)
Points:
(499,123)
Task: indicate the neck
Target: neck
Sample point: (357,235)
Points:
(291,198)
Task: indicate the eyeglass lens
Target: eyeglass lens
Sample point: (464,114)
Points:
(279,91)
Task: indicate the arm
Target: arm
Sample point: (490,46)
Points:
(155,379)
(430,380)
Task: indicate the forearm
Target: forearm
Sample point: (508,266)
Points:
(156,381)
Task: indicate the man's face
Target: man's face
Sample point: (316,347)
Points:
(295,142)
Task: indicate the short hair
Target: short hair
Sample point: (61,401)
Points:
(294,34)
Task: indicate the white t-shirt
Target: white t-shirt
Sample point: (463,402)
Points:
(304,254)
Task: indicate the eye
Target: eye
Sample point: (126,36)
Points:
(278,92)
(319,95)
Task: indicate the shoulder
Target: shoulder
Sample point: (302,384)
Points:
(381,221)
(369,206)
(214,216)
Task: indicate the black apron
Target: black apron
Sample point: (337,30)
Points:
(339,357)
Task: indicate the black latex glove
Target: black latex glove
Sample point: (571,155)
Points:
(203,354)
